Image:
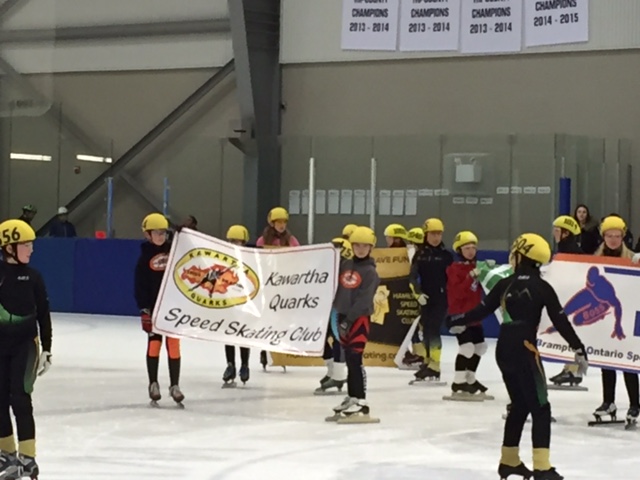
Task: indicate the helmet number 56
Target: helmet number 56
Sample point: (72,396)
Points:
(9,236)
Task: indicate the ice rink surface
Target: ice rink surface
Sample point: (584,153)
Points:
(94,420)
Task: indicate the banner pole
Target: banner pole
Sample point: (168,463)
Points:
(372,193)
(312,200)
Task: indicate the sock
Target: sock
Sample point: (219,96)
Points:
(8,444)
(152,368)
(174,371)
(510,456)
(418,349)
(339,371)
(459,377)
(541,459)
(27,447)
(329,363)
(470,377)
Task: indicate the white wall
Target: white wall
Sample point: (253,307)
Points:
(311,31)
(201,51)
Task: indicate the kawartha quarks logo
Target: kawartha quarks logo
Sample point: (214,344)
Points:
(214,279)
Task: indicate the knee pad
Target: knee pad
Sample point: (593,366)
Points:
(153,349)
(467,350)
(480,348)
(173,348)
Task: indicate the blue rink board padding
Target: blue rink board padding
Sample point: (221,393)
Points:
(87,275)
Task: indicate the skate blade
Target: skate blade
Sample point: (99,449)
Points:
(599,423)
(463,398)
(631,426)
(180,405)
(357,418)
(569,388)
(428,383)
(332,418)
(409,367)
(154,404)
(486,396)
(327,393)
(229,385)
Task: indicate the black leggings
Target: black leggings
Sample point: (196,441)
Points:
(230,353)
(609,387)
(524,378)
(18,364)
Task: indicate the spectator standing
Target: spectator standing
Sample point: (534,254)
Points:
(28,213)
(589,237)
(61,226)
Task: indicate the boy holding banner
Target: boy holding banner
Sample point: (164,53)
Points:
(521,297)
(354,305)
(154,254)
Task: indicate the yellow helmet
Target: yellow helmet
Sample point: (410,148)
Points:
(395,230)
(155,221)
(345,247)
(363,235)
(433,225)
(238,232)
(570,224)
(613,223)
(532,246)
(464,238)
(15,231)
(416,235)
(348,229)
(278,213)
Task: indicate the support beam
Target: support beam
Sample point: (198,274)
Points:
(144,193)
(117,168)
(111,32)
(255,32)
(9,7)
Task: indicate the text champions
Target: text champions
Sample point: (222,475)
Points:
(242,330)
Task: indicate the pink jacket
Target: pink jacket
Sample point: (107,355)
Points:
(293,242)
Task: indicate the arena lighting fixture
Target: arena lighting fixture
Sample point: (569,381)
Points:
(94,158)
(30,156)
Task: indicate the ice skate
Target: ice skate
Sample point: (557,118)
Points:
(480,390)
(357,412)
(176,395)
(154,394)
(330,387)
(9,466)
(324,379)
(244,374)
(603,411)
(411,361)
(427,376)
(463,392)
(550,474)
(567,379)
(337,410)
(229,376)
(505,471)
(263,360)
(29,467)
(632,418)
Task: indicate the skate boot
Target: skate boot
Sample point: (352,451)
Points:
(604,410)
(330,384)
(632,418)
(29,467)
(9,466)
(505,471)
(338,409)
(427,374)
(324,379)
(229,376)
(176,395)
(411,360)
(463,392)
(479,389)
(244,374)
(357,412)
(154,394)
(568,378)
(263,360)
(550,474)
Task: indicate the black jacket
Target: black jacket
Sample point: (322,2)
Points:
(24,306)
(569,245)
(149,272)
(522,296)
(429,272)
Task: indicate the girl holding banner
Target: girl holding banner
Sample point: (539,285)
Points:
(276,234)
(613,230)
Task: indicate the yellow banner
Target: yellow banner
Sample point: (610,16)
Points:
(395,308)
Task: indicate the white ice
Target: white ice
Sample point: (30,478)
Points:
(94,421)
